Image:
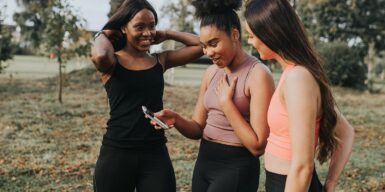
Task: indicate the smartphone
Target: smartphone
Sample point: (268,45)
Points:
(151,115)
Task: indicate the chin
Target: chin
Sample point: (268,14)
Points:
(143,49)
(264,57)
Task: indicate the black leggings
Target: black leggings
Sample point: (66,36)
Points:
(224,168)
(145,170)
(276,182)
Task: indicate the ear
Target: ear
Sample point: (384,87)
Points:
(123,29)
(235,34)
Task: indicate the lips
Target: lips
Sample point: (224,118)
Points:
(144,42)
(215,60)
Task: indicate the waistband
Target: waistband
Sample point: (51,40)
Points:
(218,152)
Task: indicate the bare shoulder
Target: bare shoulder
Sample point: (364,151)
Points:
(260,71)
(299,74)
(300,79)
(209,73)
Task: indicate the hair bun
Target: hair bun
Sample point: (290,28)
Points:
(209,7)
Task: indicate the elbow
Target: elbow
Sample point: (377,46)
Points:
(351,132)
(259,149)
(303,170)
(257,152)
(196,136)
(101,62)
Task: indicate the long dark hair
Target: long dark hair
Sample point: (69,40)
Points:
(276,24)
(219,13)
(125,13)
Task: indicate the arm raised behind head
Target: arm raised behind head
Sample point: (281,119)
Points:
(102,51)
(181,56)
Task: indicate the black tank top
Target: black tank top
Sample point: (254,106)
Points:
(127,91)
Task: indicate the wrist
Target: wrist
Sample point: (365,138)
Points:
(330,185)
(99,33)
(227,105)
(167,34)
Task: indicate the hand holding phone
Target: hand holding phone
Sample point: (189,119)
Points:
(151,115)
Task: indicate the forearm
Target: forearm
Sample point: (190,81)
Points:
(102,54)
(299,178)
(186,38)
(340,156)
(188,128)
(243,129)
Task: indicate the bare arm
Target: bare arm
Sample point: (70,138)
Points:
(340,156)
(301,97)
(102,51)
(181,56)
(190,128)
(253,135)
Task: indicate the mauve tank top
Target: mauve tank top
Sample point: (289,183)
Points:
(217,126)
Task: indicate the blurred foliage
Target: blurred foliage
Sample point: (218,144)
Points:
(357,22)
(343,64)
(6,46)
(32,20)
(181,17)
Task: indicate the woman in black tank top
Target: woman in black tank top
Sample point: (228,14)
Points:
(133,154)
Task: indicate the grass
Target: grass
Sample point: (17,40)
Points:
(46,146)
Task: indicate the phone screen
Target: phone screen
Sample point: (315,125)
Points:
(151,115)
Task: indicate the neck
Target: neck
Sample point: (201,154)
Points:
(239,58)
(132,52)
(284,63)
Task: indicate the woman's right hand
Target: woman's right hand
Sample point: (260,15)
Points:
(160,36)
(167,116)
(329,186)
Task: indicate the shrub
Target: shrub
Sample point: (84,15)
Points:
(343,64)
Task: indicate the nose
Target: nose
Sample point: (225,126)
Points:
(146,32)
(209,52)
(249,41)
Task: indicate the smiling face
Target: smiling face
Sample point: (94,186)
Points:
(264,51)
(140,30)
(218,45)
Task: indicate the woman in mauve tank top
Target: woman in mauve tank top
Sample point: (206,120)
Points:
(133,155)
(233,134)
(302,112)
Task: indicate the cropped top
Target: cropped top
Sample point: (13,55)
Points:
(278,142)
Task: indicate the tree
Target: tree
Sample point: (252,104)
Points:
(6,47)
(357,22)
(181,17)
(32,20)
(62,35)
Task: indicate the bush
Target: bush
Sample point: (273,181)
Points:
(343,64)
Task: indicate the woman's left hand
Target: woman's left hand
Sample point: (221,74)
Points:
(160,36)
(225,90)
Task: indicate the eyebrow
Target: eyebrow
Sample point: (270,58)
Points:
(210,41)
(143,23)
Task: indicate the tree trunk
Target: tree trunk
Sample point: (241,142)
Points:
(370,59)
(60,79)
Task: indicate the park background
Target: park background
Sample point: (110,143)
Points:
(53,108)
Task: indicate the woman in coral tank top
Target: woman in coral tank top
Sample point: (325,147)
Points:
(302,116)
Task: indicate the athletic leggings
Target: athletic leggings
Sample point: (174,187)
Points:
(276,182)
(146,170)
(224,168)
